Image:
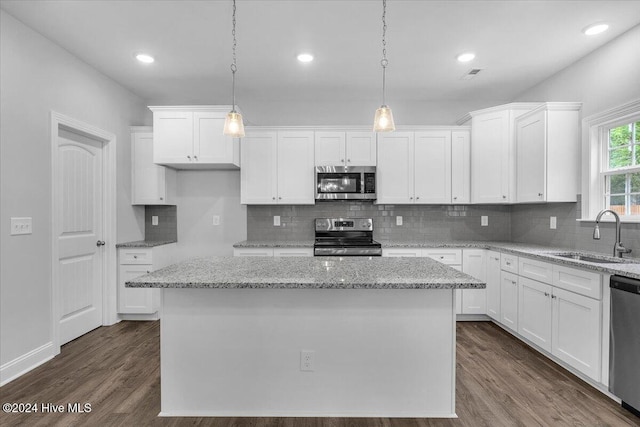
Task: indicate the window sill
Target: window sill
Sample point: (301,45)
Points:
(603,220)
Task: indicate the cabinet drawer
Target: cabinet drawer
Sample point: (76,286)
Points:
(136,256)
(299,252)
(445,256)
(536,270)
(582,282)
(509,263)
(402,252)
(253,252)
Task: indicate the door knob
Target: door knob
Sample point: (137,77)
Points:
(100,243)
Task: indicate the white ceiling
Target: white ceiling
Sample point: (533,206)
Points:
(518,44)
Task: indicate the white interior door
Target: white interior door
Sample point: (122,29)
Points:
(78,229)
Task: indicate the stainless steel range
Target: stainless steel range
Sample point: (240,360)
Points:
(345,237)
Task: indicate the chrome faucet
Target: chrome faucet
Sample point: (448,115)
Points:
(618,249)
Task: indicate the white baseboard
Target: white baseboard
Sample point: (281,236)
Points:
(23,364)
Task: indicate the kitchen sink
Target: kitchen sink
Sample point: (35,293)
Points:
(596,260)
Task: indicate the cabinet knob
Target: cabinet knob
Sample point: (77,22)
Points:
(273,198)
(135,257)
(540,194)
(513,282)
(504,197)
(279,198)
(195,158)
(410,198)
(148,271)
(553,296)
(349,160)
(342,160)
(161,198)
(189,157)
(546,294)
(455,197)
(417,197)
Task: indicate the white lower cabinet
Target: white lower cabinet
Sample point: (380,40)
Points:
(534,312)
(493,285)
(282,252)
(509,300)
(135,262)
(474,301)
(576,333)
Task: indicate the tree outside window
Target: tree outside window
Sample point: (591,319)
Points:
(622,177)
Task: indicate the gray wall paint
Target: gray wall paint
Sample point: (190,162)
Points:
(420,223)
(36,77)
(202,194)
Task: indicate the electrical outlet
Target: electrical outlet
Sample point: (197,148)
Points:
(216,220)
(398,220)
(553,222)
(484,221)
(307,359)
(21,226)
(276,220)
(154,220)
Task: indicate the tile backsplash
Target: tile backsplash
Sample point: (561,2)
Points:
(167,228)
(420,222)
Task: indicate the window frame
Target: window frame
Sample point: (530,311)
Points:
(595,139)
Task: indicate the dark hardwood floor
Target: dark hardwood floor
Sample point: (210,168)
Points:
(500,382)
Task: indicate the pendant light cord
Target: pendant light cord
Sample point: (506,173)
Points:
(384,62)
(234,68)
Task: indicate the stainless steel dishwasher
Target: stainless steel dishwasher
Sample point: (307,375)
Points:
(624,342)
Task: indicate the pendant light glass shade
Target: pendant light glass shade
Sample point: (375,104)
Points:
(383,121)
(233,125)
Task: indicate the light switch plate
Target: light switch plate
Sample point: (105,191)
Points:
(398,220)
(553,222)
(276,220)
(22,225)
(484,221)
(216,220)
(154,219)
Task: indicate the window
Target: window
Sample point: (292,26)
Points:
(621,173)
(611,162)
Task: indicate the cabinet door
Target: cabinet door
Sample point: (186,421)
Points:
(361,149)
(534,312)
(530,158)
(432,167)
(295,168)
(395,168)
(576,335)
(148,180)
(172,137)
(210,145)
(134,300)
(509,300)
(490,158)
(330,149)
(258,169)
(474,301)
(460,167)
(493,285)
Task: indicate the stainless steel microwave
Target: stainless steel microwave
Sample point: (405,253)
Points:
(345,182)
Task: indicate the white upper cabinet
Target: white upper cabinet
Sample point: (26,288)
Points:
(394,178)
(432,167)
(547,153)
(277,167)
(190,137)
(460,167)
(419,168)
(493,153)
(337,148)
(151,184)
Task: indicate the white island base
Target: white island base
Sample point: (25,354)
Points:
(377,352)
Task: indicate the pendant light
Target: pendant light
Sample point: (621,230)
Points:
(383,121)
(233,125)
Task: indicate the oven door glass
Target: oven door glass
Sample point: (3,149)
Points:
(339,183)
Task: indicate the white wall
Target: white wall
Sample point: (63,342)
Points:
(37,76)
(608,77)
(202,194)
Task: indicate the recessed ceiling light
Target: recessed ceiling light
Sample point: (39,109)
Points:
(466,57)
(143,57)
(594,29)
(305,57)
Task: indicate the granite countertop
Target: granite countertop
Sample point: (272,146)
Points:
(308,273)
(144,243)
(630,267)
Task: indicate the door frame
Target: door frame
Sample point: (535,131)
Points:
(109,271)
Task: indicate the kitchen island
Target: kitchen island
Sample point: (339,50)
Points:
(322,336)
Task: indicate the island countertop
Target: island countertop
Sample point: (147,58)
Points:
(308,273)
